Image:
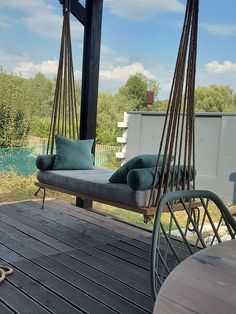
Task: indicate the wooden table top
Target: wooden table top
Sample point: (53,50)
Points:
(203,283)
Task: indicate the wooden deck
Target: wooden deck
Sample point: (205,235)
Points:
(69,260)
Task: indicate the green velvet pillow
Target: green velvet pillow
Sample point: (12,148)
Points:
(140,161)
(45,162)
(73,154)
(142,179)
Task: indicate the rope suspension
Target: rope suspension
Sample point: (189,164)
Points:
(178,135)
(64,119)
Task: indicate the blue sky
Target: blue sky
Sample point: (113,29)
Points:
(137,36)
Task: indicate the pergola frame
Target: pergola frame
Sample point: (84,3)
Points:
(90,16)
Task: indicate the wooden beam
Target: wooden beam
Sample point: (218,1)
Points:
(78,11)
(90,71)
(91,18)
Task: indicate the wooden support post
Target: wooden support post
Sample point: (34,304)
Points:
(92,22)
(90,71)
(83,203)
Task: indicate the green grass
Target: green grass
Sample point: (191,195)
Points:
(16,188)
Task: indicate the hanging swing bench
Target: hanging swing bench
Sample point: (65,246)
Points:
(138,184)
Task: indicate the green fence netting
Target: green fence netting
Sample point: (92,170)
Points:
(21,160)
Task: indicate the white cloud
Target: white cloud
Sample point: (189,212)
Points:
(106,50)
(205,78)
(10,56)
(141,10)
(24,5)
(78,74)
(109,59)
(5,21)
(122,73)
(40,17)
(13,60)
(220,68)
(29,69)
(116,69)
(164,76)
(113,78)
(220,29)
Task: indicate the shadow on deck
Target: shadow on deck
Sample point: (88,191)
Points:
(69,260)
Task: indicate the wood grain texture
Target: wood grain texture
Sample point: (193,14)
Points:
(70,263)
(141,210)
(203,283)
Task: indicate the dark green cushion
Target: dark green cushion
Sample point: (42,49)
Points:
(45,162)
(140,161)
(73,154)
(142,179)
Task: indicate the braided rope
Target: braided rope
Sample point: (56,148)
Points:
(5,271)
(178,135)
(64,119)
(2,275)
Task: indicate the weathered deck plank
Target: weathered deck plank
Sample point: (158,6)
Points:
(4,309)
(79,235)
(67,262)
(39,293)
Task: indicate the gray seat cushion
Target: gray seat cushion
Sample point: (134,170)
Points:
(94,184)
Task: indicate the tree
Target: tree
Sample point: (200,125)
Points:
(215,98)
(133,93)
(43,91)
(25,107)
(161,105)
(14,109)
(107,118)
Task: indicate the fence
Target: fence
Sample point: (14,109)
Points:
(21,160)
(215,146)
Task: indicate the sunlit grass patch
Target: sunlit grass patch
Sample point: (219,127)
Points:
(17,188)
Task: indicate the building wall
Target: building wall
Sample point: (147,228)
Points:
(215,147)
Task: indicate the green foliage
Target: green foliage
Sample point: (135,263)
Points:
(111,161)
(40,127)
(107,130)
(26,105)
(43,92)
(14,112)
(133,93)
(215,98)
(161,105)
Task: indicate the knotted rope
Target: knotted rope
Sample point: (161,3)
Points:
(178,136)
(5,271)
(64,118)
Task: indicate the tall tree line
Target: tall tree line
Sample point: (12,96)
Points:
(26,105)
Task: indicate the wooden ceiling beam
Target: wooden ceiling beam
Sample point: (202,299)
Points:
(78,11)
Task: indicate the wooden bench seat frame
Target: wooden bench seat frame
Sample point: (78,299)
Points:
(147,212)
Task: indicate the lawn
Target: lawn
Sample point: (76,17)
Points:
(17,188)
